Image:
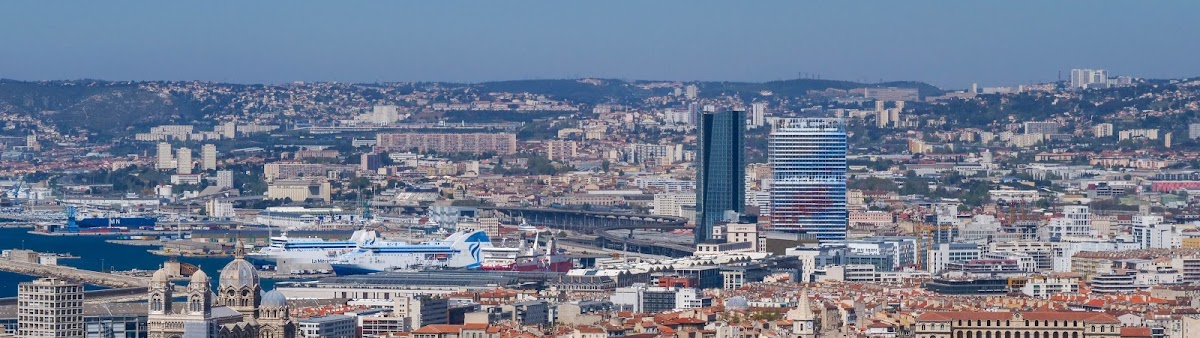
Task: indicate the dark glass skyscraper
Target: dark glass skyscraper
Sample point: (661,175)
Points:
(720,170)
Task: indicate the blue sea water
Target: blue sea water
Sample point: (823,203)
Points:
(95,254)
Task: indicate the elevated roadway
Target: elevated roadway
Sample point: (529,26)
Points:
(603,224)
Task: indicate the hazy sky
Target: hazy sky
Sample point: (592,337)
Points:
(947,43)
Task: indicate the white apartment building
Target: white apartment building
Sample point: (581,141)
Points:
(208,157)
(674,203)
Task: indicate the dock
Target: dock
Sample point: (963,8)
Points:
(73,274)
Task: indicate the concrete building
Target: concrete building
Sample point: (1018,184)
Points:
(1102,130)
(1040,324)
(219,209)
(50,308)
(654,153)
(370,162)
(208,157)
(758,113)
(1150,232)
(473,143)
(892,94)
(1135,134)
(183,161)
(273,171)
(1044,128)
(332,326)
(1089,78)
(561,150)
(225,179)
(299,190)
(164,158)
(1075,222)
(943,254)
(421,310)
(673,204)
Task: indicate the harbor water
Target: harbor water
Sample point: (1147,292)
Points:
(95,254)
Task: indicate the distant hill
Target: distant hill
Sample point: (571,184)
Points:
(108,109)
(606,91)
(609,90)
(96,106)
(800,87)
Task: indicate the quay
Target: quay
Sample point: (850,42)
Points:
(73,274)
(100,296)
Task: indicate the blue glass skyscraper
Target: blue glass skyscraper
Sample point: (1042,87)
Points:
(720,170)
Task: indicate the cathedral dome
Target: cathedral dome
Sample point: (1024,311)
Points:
(238,274)
(199,277)
(159,276)
(274,299)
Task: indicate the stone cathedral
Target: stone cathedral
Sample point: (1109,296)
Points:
(239,308)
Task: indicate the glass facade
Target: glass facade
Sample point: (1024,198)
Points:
(808,165)
(721,170)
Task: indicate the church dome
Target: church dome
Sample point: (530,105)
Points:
(159,276)
(238,274)
(199,277)
(274,299)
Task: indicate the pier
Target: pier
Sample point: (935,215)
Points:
(73,274)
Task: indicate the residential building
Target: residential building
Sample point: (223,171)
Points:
(1102,130)
(208,157)
(473,143)
(758,111)
(183,161)
(165,158)
(225,179)
(561,150)
(1044,128)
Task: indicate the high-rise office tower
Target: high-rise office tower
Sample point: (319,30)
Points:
(808,164)
(721,170)
(50,308)
(165,160)
(208,157)
(183,161)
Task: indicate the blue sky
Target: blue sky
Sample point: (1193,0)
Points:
(947,43)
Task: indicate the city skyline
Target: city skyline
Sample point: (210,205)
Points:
(662,169)
(267,43)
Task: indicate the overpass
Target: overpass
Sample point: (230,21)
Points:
(600,224)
